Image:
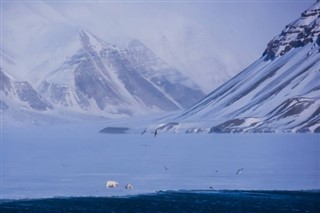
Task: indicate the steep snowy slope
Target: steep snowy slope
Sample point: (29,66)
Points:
(278,92)
(167,78)
(97,77)
(16,93)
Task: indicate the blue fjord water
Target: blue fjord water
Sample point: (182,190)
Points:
(176,201)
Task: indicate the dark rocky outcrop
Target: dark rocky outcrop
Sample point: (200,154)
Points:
(295,35)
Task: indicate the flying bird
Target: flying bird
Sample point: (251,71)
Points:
(239,171)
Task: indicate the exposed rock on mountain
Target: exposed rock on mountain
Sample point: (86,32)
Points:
(299,33)
(20,94)
(277,93)
(103,78)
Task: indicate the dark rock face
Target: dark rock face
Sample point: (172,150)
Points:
(167,126)
(92,85)
(27,94)
(270,52)
(318,40)
(5,84)
(313,120)
(291,107)
(23,91)
(58,93)
(228,126)
(298,34)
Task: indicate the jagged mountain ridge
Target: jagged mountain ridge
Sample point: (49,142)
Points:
(277,93)
(168,78)
(297,34)
(19,93)
(90,76)
(100,77)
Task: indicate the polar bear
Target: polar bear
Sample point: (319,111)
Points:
(129,186)
(112,184)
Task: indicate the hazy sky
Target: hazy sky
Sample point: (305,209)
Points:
(209,40)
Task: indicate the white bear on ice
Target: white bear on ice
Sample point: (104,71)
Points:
(112,184)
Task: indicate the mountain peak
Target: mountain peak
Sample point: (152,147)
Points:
(279,95)
(89,40)
(83,31)
(87,37)
(299,33)
(97,77)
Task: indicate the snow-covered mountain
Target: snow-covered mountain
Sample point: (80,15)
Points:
(170,80)
(90,75)
(17,93)
(277,93)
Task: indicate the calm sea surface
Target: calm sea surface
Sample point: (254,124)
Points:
(176,201)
